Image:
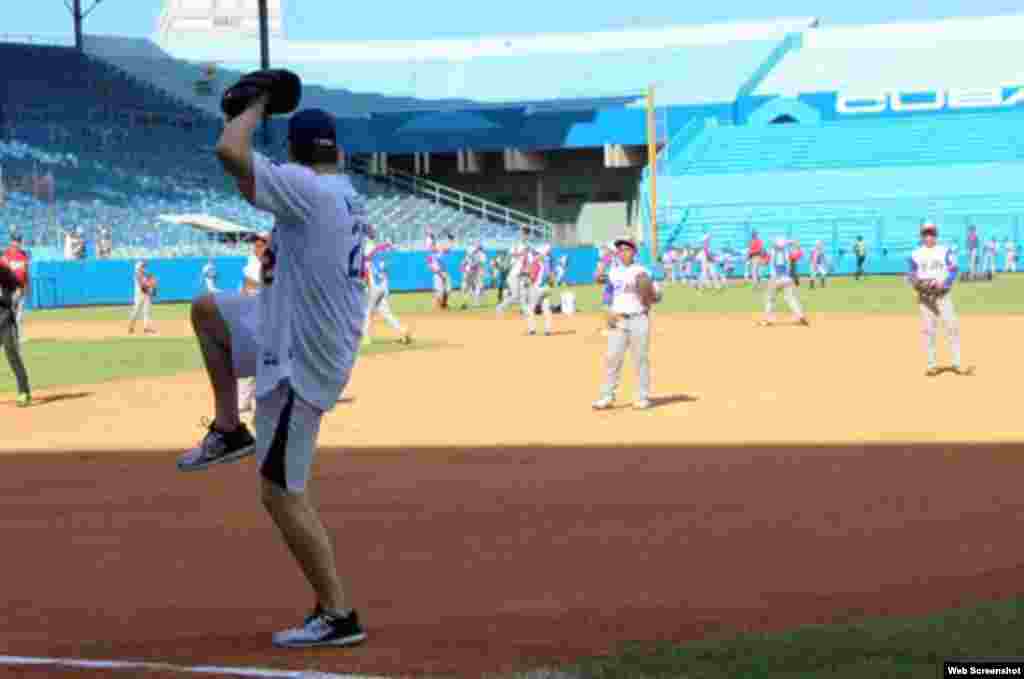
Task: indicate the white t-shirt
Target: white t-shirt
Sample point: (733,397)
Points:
(625,293)
(313,310)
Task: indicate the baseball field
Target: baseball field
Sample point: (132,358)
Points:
(799,501)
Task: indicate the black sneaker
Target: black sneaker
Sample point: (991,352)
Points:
(323,629)
(217,447)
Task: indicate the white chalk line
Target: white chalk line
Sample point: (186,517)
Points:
(10,660)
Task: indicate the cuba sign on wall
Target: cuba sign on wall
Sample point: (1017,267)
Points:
(917,101)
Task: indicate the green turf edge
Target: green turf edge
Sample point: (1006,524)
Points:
(885,295)
(55,363)
(869,648)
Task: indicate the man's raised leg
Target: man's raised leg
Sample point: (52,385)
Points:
(227,439)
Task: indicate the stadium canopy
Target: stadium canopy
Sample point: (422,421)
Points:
(691,64)
(961,53)
(209,224)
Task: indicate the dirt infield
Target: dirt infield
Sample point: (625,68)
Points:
(715,380)
(526,534)
(466,561)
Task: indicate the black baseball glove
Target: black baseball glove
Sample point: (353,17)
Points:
(283,87)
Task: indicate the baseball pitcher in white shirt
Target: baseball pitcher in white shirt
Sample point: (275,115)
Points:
(300,337)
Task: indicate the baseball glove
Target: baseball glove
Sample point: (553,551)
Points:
(928,295)
(283,87)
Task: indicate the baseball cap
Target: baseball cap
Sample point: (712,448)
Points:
(627,242)
(15,237)
(928,227)
(313,136)
(263,236)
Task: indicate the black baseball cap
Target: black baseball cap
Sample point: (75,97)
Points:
(928,227)
(313,136)
(15,237)
(627,242)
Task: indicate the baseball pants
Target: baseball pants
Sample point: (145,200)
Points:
(788,289)
(860,267)
(930,323)
(377,302)
(972,263)
(710,276)
(537,294)
(19,313)
(10,342)
(513,294)
(1011,264)
(632,334)
(143,307)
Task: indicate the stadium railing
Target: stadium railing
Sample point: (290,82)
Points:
(464,202)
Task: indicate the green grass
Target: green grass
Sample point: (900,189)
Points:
(875,295)
(53,363)
(877,647)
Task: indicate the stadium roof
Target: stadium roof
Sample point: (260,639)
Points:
(953,53)
(701,63)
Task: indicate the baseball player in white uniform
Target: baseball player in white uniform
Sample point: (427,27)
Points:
(633,293)
(515,292)
(991,254)
(710,276)
(538,290)
(667,264)
(378,292)
(474,267)
(781,281)
(819,264)
(252,283)
(143,299)
(560,268)
(933,264)
(1011,257)
(300,337)
(209,276)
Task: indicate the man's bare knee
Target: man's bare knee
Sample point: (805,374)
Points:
(206,319)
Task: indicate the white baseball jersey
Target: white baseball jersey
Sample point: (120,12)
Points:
(314,308)
(933,264)
(625,291)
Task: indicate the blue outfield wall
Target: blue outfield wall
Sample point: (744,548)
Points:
(110,282)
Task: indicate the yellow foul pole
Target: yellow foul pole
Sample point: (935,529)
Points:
(652,165)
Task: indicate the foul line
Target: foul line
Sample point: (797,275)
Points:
(183,669)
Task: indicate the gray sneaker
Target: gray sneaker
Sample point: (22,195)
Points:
(217,447)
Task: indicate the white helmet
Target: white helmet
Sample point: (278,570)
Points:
(780,242)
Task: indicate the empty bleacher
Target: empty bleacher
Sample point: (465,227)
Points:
(925,140)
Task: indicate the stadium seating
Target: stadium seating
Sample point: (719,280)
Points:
(926,140)
(127,173)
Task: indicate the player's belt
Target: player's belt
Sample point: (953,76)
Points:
(636,315)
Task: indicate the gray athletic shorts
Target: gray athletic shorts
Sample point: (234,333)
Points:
(287,427)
